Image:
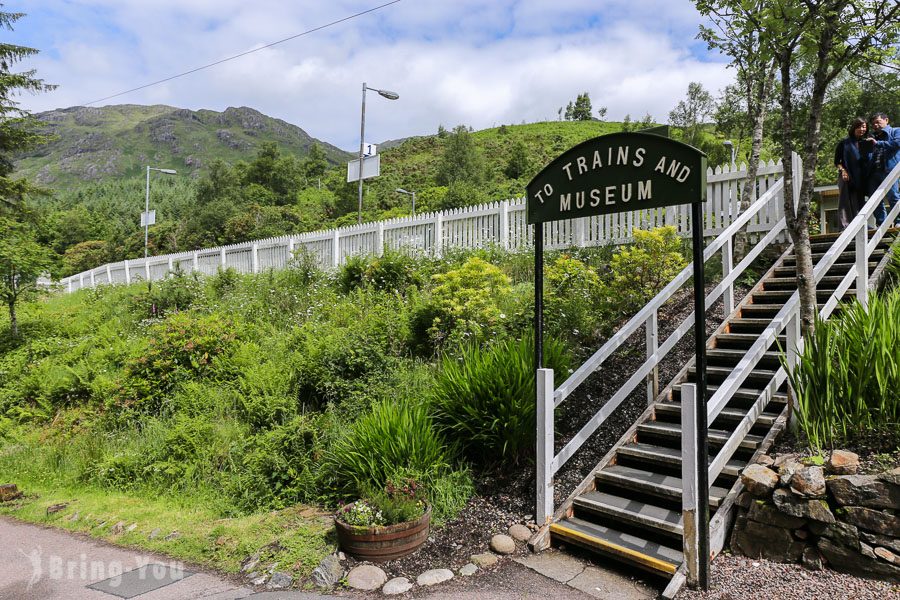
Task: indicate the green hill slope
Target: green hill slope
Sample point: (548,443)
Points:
(93,144)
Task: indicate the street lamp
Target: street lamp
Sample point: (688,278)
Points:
(362,136)
(147,204)
(413,194)
(730,145)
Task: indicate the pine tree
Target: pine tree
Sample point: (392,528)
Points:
(17,128)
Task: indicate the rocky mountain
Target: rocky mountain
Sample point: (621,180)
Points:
(89,144)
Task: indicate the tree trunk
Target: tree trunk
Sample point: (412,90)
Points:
(757,102)
(797,220)
(13,321)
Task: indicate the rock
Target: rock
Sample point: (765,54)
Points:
(789,504)
(154,534)
(842,462)
(468,570)
(873,520)
(757,540)
(885,554)
(846,560)
(892,476)
(881,540)
(503,544)
(118,528)
(520,533)
(259,580)
(864,490)
(867,551)
(434,577)
(172,536)
(483,560)
(809,482)
(801,534)
(744,500)
(787,469)
(366,577)
(280,580)
(9,491)
(763,512)
(780,459)
(759,480)
(55,508)
(74,516)
(765,460)
(128,529)
(397,585)
(840,533)
(328,573)
(811,559)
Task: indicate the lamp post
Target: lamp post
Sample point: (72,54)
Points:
(362,136)
(147,205)
(413,194)
(730,145)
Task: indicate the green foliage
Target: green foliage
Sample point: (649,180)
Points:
(22,260)
(464,304)
(572,296)
(460,161)
(518,164)
(640,270)
(392,271)
(177,292)
(581,109)
(689,114)
(847,379)
(485,398)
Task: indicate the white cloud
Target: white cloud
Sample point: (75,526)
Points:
(469,62)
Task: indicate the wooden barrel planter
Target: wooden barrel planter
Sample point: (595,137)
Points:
(381,544)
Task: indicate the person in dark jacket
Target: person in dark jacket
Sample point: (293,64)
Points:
(885,156)
(852,166)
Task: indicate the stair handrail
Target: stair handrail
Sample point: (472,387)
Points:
(789,318)
(548,399)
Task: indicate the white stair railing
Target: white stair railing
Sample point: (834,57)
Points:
(549,399)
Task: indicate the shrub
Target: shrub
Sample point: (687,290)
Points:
(224,281)
(464,303)
(572,295)
(395,439)
(639,271)
(177,292)
(485,400)
(392,271)
(849,372)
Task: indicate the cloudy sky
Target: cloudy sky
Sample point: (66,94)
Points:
(452,61)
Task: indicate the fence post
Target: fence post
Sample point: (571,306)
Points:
(379,239)
(92,278)
(690,490)
(69,284)
(170,264)
(862,267)
(727,266)
(652,327)
(108,273)
(254,255)
(81,281)
(336,249)
(127,273)
(438,235)
(504,224)
(579,232)
(147,268)
(195,261)
(544,505)
(222,258)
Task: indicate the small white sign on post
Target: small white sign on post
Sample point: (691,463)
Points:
(371,168)
(148,218)
(370,149)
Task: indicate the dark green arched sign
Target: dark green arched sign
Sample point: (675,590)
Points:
(616,173)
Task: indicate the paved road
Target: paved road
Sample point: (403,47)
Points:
(38,563)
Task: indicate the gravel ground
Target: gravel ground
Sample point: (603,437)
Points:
(739,578)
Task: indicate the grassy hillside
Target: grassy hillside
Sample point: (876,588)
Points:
(93,144)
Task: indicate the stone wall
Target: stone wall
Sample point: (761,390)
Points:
(796,511)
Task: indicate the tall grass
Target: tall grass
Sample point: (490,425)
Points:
(847,382)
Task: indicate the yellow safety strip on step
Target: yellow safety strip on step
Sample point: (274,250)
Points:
(638,557)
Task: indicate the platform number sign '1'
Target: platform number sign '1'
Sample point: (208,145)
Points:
(626,172)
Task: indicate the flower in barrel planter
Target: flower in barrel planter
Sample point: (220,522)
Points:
(386,524)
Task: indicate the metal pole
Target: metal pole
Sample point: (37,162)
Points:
(362,137)
(414,204)
(147,214)
(538,337)
(701,421)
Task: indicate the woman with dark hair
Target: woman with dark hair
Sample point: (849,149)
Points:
(852,163)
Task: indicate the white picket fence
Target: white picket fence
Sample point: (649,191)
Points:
(500,224)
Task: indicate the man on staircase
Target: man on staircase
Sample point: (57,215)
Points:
(885,157)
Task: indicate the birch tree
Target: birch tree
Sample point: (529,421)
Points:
(810,43)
